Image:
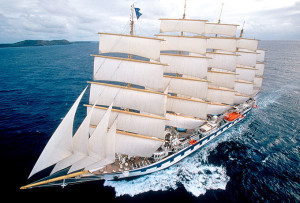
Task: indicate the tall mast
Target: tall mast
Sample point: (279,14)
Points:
(131,24)
(183,17)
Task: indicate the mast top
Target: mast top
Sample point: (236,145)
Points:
(131,20)
(219,21)
(242,30)
(183,17)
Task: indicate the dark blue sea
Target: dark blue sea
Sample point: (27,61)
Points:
(256,161)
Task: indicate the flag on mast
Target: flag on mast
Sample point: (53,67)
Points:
(137,13)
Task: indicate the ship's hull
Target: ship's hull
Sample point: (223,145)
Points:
(172,159)
(157,166)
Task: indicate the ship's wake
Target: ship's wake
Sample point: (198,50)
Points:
(195,177)
(193,173)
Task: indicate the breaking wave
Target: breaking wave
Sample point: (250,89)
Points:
(193,172)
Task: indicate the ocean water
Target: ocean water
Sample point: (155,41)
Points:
(256,161)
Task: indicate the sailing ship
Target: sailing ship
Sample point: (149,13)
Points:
(146,115)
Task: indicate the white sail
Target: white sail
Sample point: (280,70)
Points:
(187,107)
(183,43)
(186,86)
(183,121)
(183,64)
(244,87)
(220,95)
(258,82)
(238,98)
(221,79)
(261,55)
(220,29)
(130,71)
(96,146)
(182,25)
(132,122)
(222,61)
(260,67)
(110,149)
(60,144)
(136,146)
(246,58)
(222,43)
(249,44)
(217,109)
(124,97)
(80,144)
(247,74)
(141,46)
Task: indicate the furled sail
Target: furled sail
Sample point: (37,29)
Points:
(186,86)
(182,25)
(220,29)
(59,146)
(146,74)
(249,44)
(183,43)
(183,64)
(222,61)
(96,145)
(222,43)
(127,97)
(141,46)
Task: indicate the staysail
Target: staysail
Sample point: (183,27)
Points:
(80,145)
(59,146)
(96,145)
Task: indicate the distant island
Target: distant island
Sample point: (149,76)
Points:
(27,43)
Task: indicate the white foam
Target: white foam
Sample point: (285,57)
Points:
(193,173)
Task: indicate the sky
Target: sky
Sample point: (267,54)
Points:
(81,20)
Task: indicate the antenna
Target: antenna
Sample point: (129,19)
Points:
(220,13)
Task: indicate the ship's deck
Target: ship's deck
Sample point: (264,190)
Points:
(125,163)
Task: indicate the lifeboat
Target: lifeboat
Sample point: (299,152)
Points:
(192,142)
(232,116)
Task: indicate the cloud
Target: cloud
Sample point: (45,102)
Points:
(81,20)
